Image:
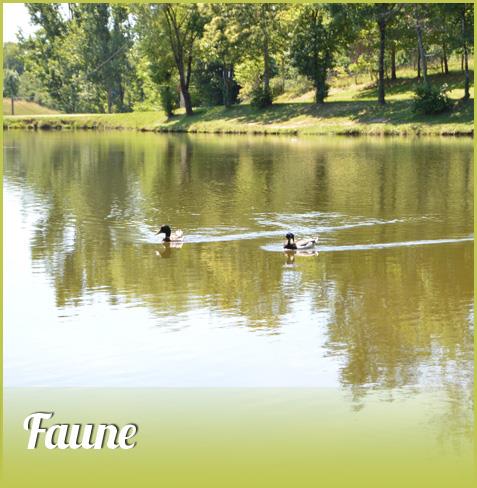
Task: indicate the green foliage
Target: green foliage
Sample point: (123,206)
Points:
(213,84)
(81,60)
(105,32)
(12,57)
(430,100)
(11,83)
(249,75)
(155,65)
(32,90)
(171,30)
(265,30)
(261,97)
(101,58)
(297,85)
(143,89)
(168,99)
(315,41)
(277,87)
(222,49)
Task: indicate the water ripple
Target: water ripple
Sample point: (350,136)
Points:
(384,245)
(288,221)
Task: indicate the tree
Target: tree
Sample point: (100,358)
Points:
(43,57)
(454,24)
(213,83)
(400,38)
(383,13)
(420,19)
(104,30)
(100,57)
(11,83)
(442,30)
(312,46)
(362,50)
(222,43)
(184,25)
(47,16)
(12,57)
(179,26)
(81,57)
(13,68)
(467,30)
(159,69)
(120,44)
(263,29)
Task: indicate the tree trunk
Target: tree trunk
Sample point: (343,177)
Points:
(444,58)
(187,100)
(467,81)
(121,97)
(226,79)
(382,43)
(393,61)
(283,74)
(422,51)
(224,86)
(466,58)
(184,87)
(266,66)
(13,105)
(418,64)
(319,93)
(462,62)
(110,101)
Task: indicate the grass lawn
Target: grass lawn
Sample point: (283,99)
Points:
(23,107)
(350,109)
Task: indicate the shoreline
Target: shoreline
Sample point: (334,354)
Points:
(285,119)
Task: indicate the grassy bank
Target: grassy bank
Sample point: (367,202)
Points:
(350,110)
(22,107)
(297,118)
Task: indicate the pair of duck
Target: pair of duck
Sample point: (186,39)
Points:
(291,244)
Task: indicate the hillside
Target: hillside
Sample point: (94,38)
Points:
(22,107)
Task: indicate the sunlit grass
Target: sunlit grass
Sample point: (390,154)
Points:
(345,88)
(22,107)
(349,109)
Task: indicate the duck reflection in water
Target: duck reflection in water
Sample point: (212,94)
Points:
(291,255)
(164,250)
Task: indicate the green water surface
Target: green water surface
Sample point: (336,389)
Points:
(385,303)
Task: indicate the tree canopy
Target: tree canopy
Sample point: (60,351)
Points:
(98,57)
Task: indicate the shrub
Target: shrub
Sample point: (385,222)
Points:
(298,85)
(168,99)
(277,87)
(431,99)
(208,86)
(248,75)
(261,98)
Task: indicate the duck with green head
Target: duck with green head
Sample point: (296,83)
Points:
(299,245)
(169,236)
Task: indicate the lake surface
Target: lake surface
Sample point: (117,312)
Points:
(93,299)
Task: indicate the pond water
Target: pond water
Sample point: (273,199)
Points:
(93,299)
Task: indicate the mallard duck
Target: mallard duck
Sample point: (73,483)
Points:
(299,245)
(176,236)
